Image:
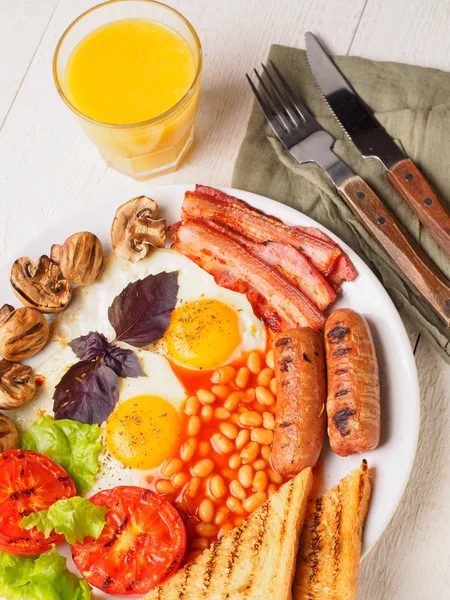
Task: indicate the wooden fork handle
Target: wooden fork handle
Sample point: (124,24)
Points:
(400,246)
(423,201)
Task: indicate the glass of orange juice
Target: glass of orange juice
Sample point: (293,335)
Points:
(130,70)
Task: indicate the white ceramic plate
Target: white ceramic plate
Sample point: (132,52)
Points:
(391,462)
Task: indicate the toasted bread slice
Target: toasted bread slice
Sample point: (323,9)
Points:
(255,561)
(330,543)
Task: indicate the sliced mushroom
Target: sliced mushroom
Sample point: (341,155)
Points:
(23,332)
(80,258)
(17,384)
(42,286)
(135,229)
(5,311)
(9,438)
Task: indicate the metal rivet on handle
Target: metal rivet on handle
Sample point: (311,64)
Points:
(428,201)
(409,176)
(360,195)
(381,220)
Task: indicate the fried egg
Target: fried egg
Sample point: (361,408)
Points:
(210,326)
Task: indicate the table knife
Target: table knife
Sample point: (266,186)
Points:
(373,141)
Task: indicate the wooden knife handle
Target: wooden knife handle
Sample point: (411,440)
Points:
(400,246)
(423,201)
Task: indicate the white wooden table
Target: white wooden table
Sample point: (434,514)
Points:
(49,169)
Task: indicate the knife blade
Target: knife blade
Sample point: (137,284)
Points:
(373,141)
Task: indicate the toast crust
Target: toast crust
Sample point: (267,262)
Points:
(330,543)
(254,561)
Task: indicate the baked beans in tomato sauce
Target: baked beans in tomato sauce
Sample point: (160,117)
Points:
(222,471)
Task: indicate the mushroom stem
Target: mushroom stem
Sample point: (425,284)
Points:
(55,252)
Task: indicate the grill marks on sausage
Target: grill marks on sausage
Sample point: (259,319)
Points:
(337,334)
(340,419)
(285,424)
(306,358)
(283,341)
(284,364)
(341,372)
(342,351)
(341,393)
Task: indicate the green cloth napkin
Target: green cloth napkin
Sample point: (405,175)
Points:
(413,104)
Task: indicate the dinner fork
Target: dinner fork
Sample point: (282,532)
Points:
(308,142)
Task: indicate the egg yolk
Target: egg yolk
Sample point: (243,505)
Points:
(143,431)
(203,334)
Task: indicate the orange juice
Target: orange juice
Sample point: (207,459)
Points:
(130,71)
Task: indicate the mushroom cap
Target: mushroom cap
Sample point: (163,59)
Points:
(135,229)
(23,333)
(42,286)
(9,438)
(80,258)
(17,384)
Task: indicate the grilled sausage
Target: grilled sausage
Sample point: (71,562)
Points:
(301,396)
(353,402)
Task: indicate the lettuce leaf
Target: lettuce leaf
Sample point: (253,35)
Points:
(42,578)
(73,445)
(76,518)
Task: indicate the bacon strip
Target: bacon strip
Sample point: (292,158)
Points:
(278,303)
(290,263)
(322,251)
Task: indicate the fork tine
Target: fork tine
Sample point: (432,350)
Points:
(286,106)
(277,107)
(298,104)
(271,118)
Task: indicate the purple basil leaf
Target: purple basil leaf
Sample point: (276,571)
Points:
(88,347)
(123,362)
(88,393)
(140,314)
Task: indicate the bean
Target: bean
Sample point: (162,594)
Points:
(223,375)
(164,486)
(205,396)
(254,501)
(180,480)
(249,452)
(262,436)
(221,391)
(204,449)
(245,476)
(259,464)
(271,489)
(265,376)
(273,408)
(218,487)
(260,481)
(193,487)
(268,420)
(235,505)
(237,490)
(270,359)
(188,449)
(233,400)
(249,395)
(206,510)
(234,462)
(242,377)
(264,396)
(273,386)
(250,418)
(222,413)
(193,425)
(203,467)
(265,453)
(254,362)
(192,406)
(226,527)
(242,439)
(221,515)
(201,543)
(229,430)
(207,530)
(235,418)
(274,476)
(207,412)
(221,443)
(171,467)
